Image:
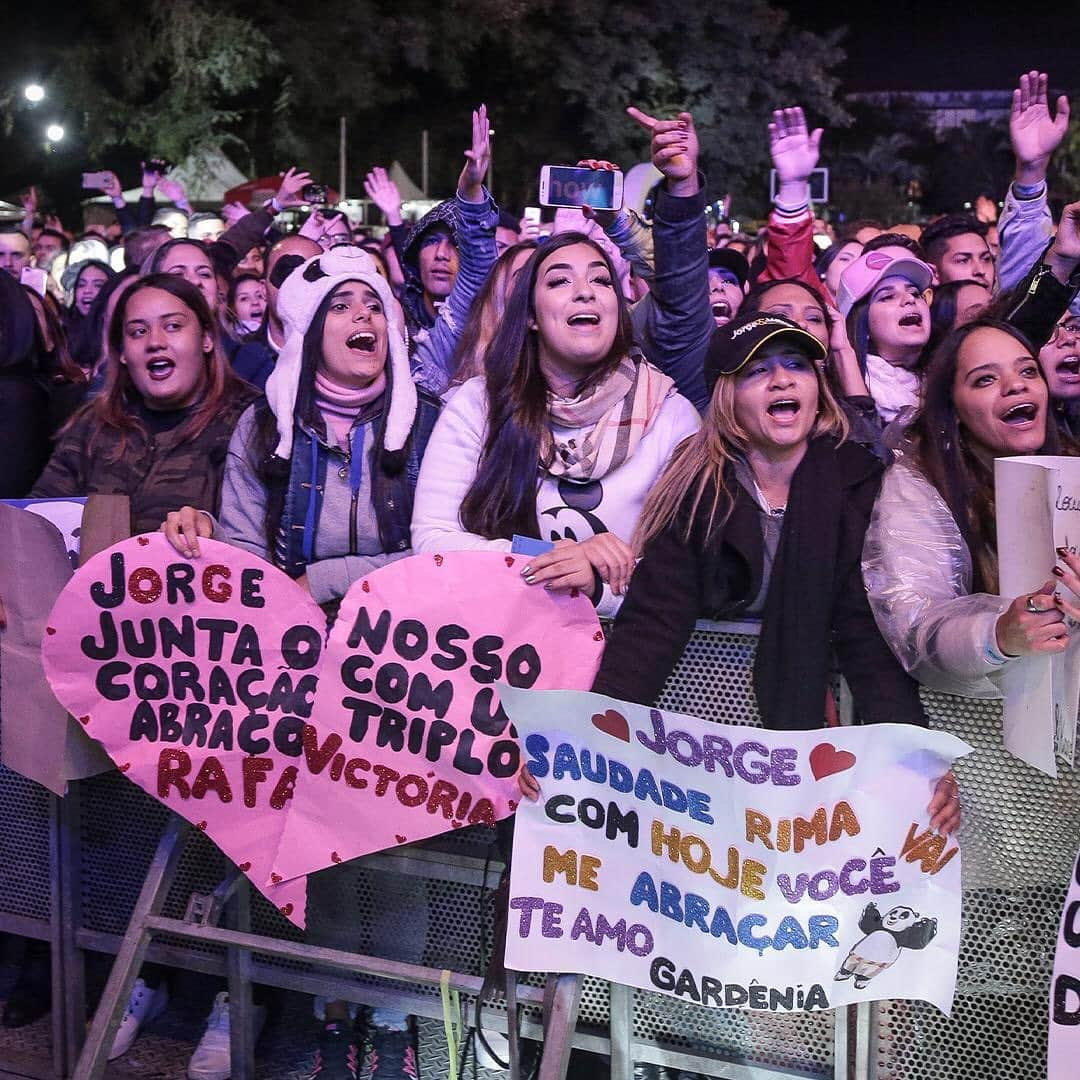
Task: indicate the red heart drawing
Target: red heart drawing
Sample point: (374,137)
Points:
(335,857)
(287,910)
(438,560)
(825,760)
(456,823)
(612,723)
(144,540)
(399,838)
(598,636)
(244,867)
(200,825)
(365,586)
(84,720)
(125,766)
(275,878)
(50,630)
(509,560)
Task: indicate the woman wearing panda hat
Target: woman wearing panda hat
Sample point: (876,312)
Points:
(319,481)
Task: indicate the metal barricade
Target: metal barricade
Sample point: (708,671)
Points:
(1020,834)
(30,908)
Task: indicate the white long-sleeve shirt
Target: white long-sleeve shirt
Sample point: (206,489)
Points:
(565,509)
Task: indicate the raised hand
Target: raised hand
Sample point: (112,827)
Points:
(477,158)
(232,212)
(174,191)
(793,147)
(1035,135)
(290,191)
(29,202)
(383,192)
(674,149)
(112,187)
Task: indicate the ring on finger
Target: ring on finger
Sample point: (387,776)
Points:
(1030,605)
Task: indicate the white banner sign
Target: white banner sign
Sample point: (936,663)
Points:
(1038,511)
(730,866)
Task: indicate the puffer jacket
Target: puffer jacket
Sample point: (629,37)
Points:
(918,574)
(159,473)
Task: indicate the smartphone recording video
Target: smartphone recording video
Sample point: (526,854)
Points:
(316,194)
(567,185)
(94,181)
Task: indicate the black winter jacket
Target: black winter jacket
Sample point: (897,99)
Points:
(815,604)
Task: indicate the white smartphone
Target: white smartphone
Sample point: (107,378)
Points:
(532,215)
(567,185)
(35,278)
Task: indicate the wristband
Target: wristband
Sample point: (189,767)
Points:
(1028,191)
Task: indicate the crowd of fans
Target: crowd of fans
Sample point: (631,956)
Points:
(704,424)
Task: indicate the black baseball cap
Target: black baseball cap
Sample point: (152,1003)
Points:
(734,345)
(726,259)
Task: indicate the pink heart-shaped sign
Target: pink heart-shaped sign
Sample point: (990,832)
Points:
(212,685)
(195,676)
(408,684)
(825,760)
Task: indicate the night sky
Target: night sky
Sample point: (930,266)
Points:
(946,45)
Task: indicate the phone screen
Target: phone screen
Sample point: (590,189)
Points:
(570,186)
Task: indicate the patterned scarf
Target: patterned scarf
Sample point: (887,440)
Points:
(618,412)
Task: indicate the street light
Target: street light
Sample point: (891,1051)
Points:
(54,133)
(34,93)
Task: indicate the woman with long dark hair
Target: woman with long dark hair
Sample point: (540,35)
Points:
(564,435)
(159,429)
(931,561)
(341,407)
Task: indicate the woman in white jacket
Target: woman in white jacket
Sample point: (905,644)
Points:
(930,557)
(564,436)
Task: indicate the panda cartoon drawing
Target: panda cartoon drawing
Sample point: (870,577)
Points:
(884,936)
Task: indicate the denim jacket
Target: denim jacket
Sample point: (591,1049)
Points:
(342,515)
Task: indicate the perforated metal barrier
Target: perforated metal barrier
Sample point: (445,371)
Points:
(1021,831)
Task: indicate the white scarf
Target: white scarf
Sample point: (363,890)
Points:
(892,388)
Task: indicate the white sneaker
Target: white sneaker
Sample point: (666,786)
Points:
(211,1059)
(144,1004)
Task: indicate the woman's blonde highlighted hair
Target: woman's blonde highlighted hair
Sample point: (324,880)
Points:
(702,458)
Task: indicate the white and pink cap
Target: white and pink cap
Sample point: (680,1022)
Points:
(861,277)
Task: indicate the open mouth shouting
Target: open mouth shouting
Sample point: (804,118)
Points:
(1068,368)
(1022,415)
(721,310)
(362,341)
(160,369)
(584,320)
(912,318)
(784,410)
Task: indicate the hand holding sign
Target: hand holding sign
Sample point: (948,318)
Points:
(730,866)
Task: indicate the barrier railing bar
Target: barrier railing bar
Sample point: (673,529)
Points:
(106,1021)
(562,999)
(841,1034)
(621,1006)
(241,1006)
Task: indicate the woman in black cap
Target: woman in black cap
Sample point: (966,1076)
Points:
(762,514)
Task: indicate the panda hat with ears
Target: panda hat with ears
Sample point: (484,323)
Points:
(298,300)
